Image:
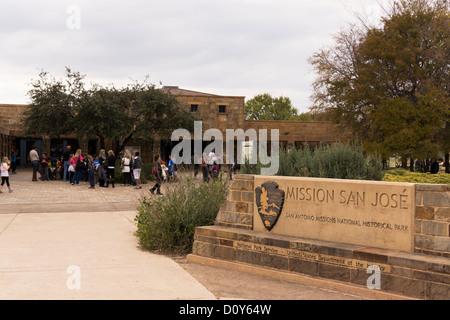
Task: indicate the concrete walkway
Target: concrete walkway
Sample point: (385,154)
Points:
(59,241)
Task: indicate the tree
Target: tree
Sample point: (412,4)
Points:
(265,107)
(137,111)
(54,104)
(390,84)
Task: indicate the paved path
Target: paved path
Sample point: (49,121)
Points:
(59,241)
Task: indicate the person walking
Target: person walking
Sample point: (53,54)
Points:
(91,171)
(78,164)
(101,168)
(231,168)
(13,161)
(137,167)
(110,167)
(5,165)
(215,171)
(66,162)
(157,169)
(434,167)
(34,158)
(126,168)
(71,169)
(171,169)
(205,170)
(44,165)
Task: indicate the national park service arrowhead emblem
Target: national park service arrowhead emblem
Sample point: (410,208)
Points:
(269,200)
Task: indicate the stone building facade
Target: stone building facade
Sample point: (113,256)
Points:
(215,111)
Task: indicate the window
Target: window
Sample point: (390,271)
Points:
(194,107)
(222,109)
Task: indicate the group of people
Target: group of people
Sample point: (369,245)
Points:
(211,167)
(210,164)
(76,166)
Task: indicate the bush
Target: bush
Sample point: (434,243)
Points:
(402,175)
(338,161)
(345,162)
(168,223)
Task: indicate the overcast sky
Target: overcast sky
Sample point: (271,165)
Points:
(237,48)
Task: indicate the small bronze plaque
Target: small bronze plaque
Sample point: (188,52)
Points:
(269,200)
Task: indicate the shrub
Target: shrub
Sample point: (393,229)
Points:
(402,175)
(338,161)
(168,223)
(345,162)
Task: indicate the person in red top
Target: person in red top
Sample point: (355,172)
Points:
(44,165)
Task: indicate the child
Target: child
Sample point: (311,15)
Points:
(91,171)
(215,171)
(4,174)
(171,169)
(71,169)
(157,171)
(44,164)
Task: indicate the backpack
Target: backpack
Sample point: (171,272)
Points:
(80,164)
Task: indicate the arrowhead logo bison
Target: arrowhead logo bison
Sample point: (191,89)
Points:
(269,200)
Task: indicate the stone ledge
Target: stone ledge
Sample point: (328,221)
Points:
(241,176)
(432,187)
(298,278)
(410,274)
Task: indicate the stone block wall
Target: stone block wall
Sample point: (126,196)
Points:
(432,221)
(299,132)
(5,143)
(407,274)
(424,274)
(10,114)
(432,233)
(237,211)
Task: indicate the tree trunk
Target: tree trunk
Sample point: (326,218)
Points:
(447,163)
(121,146)
(427,165)
(405,163)
(102,142)
(411,164)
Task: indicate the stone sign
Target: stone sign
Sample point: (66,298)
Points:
(374,214)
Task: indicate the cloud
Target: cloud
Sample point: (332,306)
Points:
(229,47)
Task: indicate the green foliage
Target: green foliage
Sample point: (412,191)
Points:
(136,111)
(402,175)
(338,161)
(345,162)
(168,223)
(389,82)
(54,104)
(265,107)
